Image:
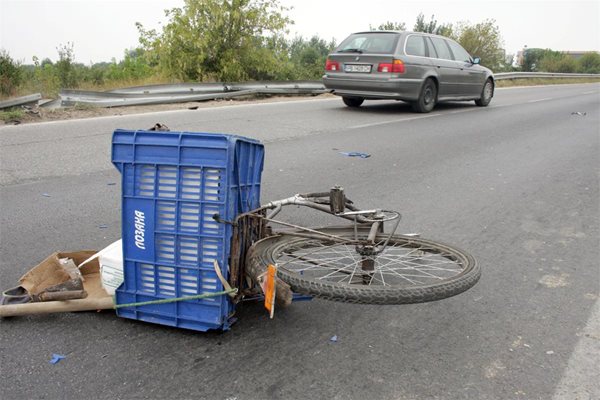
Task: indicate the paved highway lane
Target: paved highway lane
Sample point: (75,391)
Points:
(516,184)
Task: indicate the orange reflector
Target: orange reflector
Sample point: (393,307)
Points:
(269,289)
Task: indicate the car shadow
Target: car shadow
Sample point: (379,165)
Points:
(397,107)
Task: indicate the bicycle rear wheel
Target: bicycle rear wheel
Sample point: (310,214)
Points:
(408,270)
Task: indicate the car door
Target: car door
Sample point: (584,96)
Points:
(447,68)
(471,76)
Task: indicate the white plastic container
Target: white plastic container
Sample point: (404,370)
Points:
(111,266)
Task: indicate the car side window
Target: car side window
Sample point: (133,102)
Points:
(460,54)
(415,46)
(441,48)
(430,49)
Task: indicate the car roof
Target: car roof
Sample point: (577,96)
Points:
(400,32)
(356,33)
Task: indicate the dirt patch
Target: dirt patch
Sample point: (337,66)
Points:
(24,116)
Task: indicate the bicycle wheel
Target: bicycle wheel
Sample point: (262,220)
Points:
(408,270)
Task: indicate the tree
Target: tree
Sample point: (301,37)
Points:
(531,59)
(308,57)
(389,26)
(220,40)
(589,63)
(546,60)
(65,68)
(432,26)
(10,74)
(422,26)
(482,40)
(555,61)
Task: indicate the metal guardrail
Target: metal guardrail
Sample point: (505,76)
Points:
(105,99)
(218,87)
(186,92)
(529,75)
(19,101)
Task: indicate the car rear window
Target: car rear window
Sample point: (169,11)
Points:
(377,43)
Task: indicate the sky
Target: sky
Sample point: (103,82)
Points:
(101,30)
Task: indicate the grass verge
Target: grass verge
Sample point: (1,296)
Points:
(11,114)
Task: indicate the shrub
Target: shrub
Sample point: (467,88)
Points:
(10,74)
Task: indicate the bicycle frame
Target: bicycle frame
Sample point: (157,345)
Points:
(338,203)
(252,226)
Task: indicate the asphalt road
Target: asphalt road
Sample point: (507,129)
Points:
(516,184)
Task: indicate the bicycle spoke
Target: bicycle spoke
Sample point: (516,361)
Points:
(403,262)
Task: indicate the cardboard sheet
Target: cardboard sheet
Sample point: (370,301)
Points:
(50,272)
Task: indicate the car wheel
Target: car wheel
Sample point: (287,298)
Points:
(486,94)
(427,97)
(353,101)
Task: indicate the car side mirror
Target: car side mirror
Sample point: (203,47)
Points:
(476,60)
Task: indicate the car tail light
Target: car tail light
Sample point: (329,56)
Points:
(396,67)
(332,65)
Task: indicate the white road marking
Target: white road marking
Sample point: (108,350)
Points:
(393,121)
(544,99)
(465,110)
(580,379)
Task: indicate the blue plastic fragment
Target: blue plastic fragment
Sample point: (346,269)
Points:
(301,297)
(334,338)
(355,154)
(56,358)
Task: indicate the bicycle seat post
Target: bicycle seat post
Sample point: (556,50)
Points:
(337,200)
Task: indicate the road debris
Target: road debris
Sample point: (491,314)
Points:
(581,114)
(33,110)
(56,358)
(46,195)
(355,154)
(16,295)
(333,339)
(56,279)
(549,352)
(159,127)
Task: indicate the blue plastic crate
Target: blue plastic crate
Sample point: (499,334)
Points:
(172,185)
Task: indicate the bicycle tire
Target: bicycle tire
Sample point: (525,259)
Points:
(270,249)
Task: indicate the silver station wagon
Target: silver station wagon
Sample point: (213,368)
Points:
(419,68)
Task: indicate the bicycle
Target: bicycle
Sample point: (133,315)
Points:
(355,263)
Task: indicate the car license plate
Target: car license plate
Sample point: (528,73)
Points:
(357,68)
